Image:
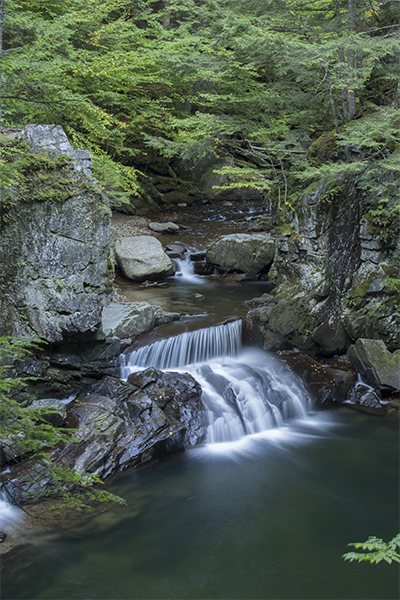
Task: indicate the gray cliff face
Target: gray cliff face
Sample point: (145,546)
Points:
(55,273)
(333,280)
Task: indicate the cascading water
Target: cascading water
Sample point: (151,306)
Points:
(9,513)
(245,391)
(185,271)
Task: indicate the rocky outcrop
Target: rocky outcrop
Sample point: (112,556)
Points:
(52,140)
(142,258)
(376,364)
(179,396)
(248,253)
(134,318)
(124,424)
(55,272)
(335,281)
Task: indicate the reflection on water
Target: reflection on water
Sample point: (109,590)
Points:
(220,299)
(266,517)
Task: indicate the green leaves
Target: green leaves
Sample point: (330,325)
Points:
(378,551)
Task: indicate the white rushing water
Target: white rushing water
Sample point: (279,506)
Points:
(245,391)
(9,513)
(185,271)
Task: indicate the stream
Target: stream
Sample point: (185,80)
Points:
(263,510)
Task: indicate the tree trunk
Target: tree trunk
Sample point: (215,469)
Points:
(167,16)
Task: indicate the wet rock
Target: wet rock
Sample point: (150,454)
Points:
(203,268)
(164,227)
(52,410)
(142,258)
(179,395)
(325,385)
(365,398)
(249,253)
(119,426)
(373,360)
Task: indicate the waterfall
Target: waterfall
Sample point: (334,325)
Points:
(187,348)
(245,391)
(185,271)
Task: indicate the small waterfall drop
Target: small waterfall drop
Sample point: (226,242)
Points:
(187,348)
(185,271)
(245,391)
(9,514)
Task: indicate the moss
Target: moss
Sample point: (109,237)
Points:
(323,148)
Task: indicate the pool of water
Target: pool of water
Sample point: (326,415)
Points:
(264,518)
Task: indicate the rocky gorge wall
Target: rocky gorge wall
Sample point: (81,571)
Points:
(55,272)
(334,280)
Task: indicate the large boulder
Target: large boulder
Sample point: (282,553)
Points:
(132,319)
(164,227)
(55,272)
(142,258)
(249,253)
(380,367)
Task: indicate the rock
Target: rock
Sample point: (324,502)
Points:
(310,221)
(53,140)
(164,227)
(249,253)
(55,272)
(52,410)
(179,395)
(142,258)
(325,385)
(132,319)
(118,426)
(328,293)
(363,397)
(376,364)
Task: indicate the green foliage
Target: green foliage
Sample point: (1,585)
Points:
(138,82)
(378,551)
(29,439)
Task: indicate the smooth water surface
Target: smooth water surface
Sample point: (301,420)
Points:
(267,517)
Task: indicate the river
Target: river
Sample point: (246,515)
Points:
(263,512)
